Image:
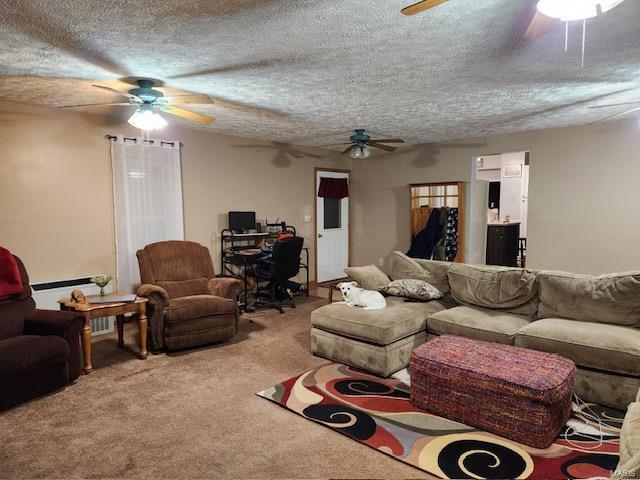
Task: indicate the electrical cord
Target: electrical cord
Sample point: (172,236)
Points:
(588,414)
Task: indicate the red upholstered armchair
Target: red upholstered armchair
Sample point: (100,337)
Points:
(188,305)
(39,349)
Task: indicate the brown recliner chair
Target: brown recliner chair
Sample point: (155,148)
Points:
(39,349)
(188,305)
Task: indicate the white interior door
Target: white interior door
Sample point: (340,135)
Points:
(332,226)
(525,201)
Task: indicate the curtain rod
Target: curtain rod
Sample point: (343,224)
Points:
(135,140)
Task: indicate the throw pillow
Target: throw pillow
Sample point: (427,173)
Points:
(412,289)
(369,277)
(431,271)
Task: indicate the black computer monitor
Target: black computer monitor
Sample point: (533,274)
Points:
(241,221)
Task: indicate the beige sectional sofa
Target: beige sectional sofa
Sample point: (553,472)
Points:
(629,466)
(592,320)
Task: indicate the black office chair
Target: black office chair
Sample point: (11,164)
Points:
(283,264)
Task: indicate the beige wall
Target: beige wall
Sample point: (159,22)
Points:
(584,197)
(56,201)
(56,204)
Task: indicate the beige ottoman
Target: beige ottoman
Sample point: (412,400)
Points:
(378,341)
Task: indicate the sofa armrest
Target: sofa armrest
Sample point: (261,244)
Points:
(158,299)
(226,287)
(67,325)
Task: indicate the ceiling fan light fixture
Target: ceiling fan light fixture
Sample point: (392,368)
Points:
(570,10)
(361,151)
(146,119)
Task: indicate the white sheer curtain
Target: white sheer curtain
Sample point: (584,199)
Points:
(147,197)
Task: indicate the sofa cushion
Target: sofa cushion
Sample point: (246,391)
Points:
(194,306)
(382,360)
(611,348)
(612,298)
(184,288)
(369,277)
(412,289)
(431,271)
(28,353)
(477,323)
(380,327)
(507,289)
(629,466)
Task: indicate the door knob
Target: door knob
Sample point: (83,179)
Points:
(319,235)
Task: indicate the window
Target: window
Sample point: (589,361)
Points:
(332,213)
(147,193)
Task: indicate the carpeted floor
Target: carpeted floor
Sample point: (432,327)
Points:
(188,415)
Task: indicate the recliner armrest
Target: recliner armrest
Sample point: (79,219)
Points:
(62,324)
(147,289)
(51,322)
(158,300)
(225,287)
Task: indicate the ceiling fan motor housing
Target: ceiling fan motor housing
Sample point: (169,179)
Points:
(360,137)
(146,92)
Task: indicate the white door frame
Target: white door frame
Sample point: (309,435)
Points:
(315,216)
(477,219)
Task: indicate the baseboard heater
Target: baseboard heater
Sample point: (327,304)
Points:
(47,294)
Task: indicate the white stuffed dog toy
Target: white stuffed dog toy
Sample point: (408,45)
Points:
(359,297)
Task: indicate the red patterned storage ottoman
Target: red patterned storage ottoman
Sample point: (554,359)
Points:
(514,392)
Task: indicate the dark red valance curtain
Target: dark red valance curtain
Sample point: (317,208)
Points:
(333,188)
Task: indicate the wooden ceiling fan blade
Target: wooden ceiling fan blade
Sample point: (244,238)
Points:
(335,144)
(382,147)
(617,115)
(613,105)
(259,111)
(188,114)
(113,90)
(421,6)
(348,149)
(99,105)
(188,98)
(388,140)
(540,24)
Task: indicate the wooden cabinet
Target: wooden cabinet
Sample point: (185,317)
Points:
(502,244)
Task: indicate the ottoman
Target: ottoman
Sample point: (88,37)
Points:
(378,341)
(517,393)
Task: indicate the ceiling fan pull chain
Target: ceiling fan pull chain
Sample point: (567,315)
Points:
(584,37)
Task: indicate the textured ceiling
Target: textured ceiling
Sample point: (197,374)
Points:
(460,70)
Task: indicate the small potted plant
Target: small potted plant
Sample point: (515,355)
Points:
(101,280)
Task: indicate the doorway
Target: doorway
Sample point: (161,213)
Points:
(499,209)
(332,227)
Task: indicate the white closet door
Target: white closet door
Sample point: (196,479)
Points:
(332,226)
(147,194)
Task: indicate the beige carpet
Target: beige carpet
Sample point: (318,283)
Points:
(188,415)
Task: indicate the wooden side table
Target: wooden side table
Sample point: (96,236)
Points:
(98,310)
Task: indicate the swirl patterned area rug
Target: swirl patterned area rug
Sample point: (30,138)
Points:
(377,412)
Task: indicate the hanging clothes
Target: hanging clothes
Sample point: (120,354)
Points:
(440,247)
(423,243)
(451,243)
